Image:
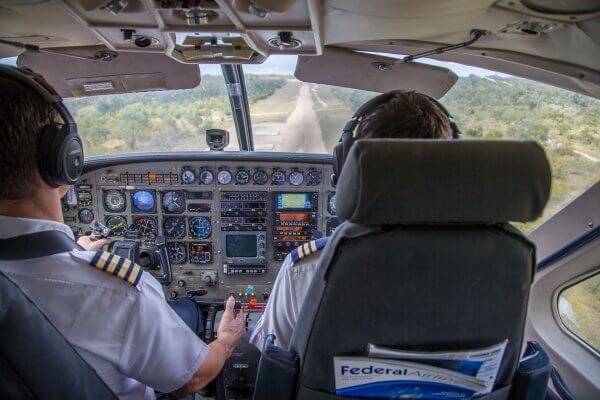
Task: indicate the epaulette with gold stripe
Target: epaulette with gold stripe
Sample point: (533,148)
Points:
(307,249)
(118,266)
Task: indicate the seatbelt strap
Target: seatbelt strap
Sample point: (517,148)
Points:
(35,245)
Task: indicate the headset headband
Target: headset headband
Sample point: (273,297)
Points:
(39,85)
(60,149)
(347,138)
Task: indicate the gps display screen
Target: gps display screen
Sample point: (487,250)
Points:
(240,246)
(293,201)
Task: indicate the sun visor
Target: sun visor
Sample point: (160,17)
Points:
(351,69)
(128,72)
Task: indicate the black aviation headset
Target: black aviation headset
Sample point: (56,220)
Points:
(347,138)
(60,150)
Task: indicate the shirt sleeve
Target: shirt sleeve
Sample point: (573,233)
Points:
(286,300)
(158,348)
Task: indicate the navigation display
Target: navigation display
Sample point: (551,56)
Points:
(240,246)
(293,201)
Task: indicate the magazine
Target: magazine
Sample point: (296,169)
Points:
(482,364)
(377,378)
(391,373)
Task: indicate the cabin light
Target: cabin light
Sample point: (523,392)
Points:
(98,86)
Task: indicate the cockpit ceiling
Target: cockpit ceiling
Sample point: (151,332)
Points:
(560,39)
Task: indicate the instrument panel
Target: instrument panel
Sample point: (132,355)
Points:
(228,224)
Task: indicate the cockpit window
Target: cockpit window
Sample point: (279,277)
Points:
(172,120)
(298,116)
(308,117)
(566,124)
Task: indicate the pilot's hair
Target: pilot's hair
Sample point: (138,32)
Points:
(23,114)
(407,115)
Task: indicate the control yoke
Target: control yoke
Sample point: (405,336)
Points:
(155,258)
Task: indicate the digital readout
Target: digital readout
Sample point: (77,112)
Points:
(293,201)
(199,247)
(294,217)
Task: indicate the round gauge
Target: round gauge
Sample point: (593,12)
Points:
(174,227)
(173,202)
(86,216)
(224,177)
(242,177)
(177,252)
(143,200)
(206,177)
(331,203)
(260,177)
(278,178)
(117,225)
(296,178)
(145,226)
(114,200)
(313,178)
(200,227)
(188,176)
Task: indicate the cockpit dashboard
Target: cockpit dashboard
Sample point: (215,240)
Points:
(225,221)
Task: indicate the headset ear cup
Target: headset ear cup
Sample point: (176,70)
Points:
(338,159)
(60,156)
(47,159)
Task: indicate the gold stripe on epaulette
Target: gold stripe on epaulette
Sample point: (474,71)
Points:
(313,246)
(137,270)
(306,249)
(102,260)
(123,268)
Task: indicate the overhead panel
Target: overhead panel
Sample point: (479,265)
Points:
(240,31)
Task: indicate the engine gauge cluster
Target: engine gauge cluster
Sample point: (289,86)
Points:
(242,176)
(224,177)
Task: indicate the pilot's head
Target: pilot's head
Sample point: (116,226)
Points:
(407,115)
(23,116)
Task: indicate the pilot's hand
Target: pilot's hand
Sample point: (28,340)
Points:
(231,328)
(87,243)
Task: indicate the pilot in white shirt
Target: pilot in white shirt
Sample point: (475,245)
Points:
(111,311)
(399,116)
(139,342)
(288,294)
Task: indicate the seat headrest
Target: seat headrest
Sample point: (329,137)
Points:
(396,181)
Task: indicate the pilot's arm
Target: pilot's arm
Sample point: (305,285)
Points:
(160,350)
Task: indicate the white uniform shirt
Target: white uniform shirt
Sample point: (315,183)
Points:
(286,300)
(128,334)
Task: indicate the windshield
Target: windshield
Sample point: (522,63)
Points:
(171,120)
(289,115)
(309,117)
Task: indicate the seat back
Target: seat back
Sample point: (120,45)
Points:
(425,260)
(36,361)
